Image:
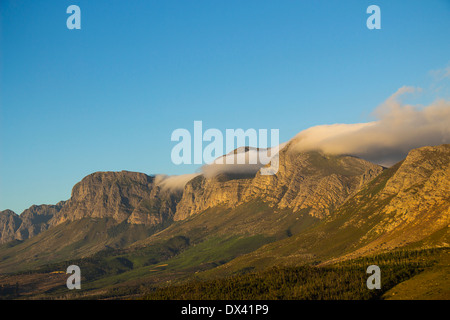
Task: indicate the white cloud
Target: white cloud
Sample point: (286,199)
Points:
(251,164)
(399,128)
(173,182)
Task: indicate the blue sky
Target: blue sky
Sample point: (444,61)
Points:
(108,96)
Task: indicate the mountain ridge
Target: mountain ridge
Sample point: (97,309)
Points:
(137,198)
(347,198)
(318,210)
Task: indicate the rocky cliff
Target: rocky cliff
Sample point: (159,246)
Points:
(31,222)
(405,207)
(312,181)
(124,196)
(9,223)
(35,220)
(416,201)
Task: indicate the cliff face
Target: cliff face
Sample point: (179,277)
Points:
(123,196)
(406,206)
(31,222)
(418,199)
(9,223)
(415,199)
(35,220)
(311,181)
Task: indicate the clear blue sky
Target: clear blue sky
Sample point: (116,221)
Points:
(108,96)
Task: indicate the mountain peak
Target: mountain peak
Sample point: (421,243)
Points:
(311,180)
(9,223)
(122,195)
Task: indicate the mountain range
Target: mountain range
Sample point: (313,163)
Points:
(318,209)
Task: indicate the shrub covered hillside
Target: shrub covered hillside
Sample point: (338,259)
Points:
(345,280)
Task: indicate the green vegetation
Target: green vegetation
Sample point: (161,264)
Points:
(175,258)
(71,241)
(433,283)
(112,262)
(346,280)
(216,251)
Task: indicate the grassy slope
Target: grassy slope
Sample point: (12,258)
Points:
(322,241)
(70,240)
(432,284)
(200,243)
(253,218)
(334,237)
(215,237)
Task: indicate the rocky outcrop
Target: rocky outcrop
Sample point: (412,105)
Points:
(29,223)
(405,207)
(418,197)
(35,220)
(313,181)
(123,196)
(9,223)
(380,209)
(201,193)
(310,182)
(159,208)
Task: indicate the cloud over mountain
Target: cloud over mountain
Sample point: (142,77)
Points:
(174,182)
(398,129)
(243,160)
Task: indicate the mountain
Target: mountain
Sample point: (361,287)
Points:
(31,222)
(309,181)
(106,210)
(406,206)
(123,196)
(415,202)
(36,219)
(9,223)
(129,229)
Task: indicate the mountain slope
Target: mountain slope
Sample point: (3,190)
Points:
(405,206)
(128,198)
(310,180)
(106,209)
(419,205)
(318,209)
(71,240)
